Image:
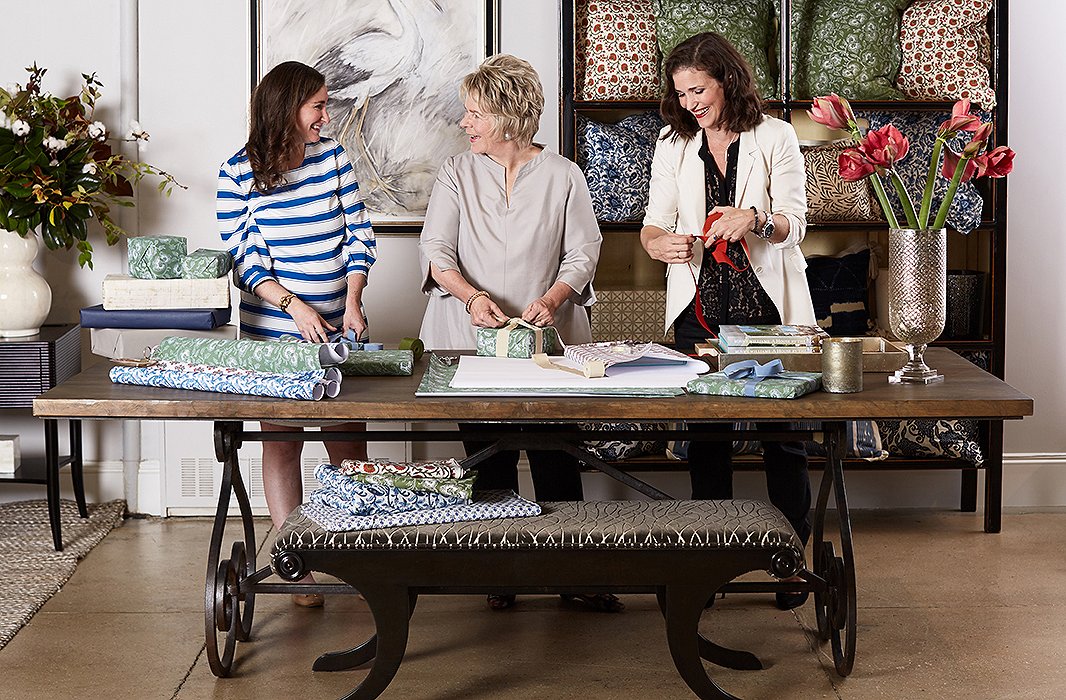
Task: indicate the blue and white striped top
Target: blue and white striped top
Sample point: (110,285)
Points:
(308,235)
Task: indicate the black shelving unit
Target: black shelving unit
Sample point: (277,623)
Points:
(993,226)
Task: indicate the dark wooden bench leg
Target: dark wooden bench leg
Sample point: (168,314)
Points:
(391,607)
(76,476)
(718,655)
(684,605)
(356,656)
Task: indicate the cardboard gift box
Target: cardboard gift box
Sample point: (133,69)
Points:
(518,339)
(204,263)
(10,456)
(125,292)
(156,257)
(131,343)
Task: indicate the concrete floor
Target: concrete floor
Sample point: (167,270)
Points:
(945,611)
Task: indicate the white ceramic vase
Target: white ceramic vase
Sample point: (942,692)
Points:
(25,297)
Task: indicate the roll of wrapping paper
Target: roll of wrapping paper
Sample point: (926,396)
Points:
(379,363)
(415,345)
(309,386)
(260,355)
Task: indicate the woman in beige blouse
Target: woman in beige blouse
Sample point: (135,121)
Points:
(510,232)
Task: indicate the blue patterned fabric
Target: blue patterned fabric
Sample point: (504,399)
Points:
(614,450)
(355,498)
(920,129)
(486,506)
(863,442)
(839,289)
(932,438)
(310,386)
(616,159)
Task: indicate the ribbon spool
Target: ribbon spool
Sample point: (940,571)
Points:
(415,345)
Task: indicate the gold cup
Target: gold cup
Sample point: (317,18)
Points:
(842,365)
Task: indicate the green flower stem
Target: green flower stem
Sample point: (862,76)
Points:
(942,213)
(904,198)
(930,181)
(882,199)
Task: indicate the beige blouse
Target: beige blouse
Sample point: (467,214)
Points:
(515,253)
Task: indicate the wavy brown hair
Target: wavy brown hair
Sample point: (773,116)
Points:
(713,54)
(273,137)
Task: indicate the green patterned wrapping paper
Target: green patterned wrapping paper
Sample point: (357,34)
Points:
(156,257)
(260,355)
(204,263)
(459,488)
(379,363)
(786,385)
(521,341)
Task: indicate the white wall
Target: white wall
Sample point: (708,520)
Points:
(194,84)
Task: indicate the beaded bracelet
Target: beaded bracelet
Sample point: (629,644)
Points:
(475,295)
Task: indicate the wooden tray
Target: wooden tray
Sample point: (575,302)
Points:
(878,355)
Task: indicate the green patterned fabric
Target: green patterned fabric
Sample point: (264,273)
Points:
(458,488)
(747,24)
(378,363)
(260,355)
(787,385)
(156,257)
(204,263)
(521,341)
(850,47)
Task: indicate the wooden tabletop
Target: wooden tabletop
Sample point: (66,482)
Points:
(966,392)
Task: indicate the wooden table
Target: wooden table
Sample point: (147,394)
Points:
(967,392)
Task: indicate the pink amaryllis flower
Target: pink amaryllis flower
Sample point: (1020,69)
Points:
(832,111)
(854,165)
(951,163)
(996,163)
(885,146)
(961,120)
(979,140)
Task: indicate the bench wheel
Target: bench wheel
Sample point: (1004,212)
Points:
(230,611)
(835,608)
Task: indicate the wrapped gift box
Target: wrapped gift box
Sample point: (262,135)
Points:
(378,363)
(786,385)
(204,263)
(156,257)
(192,319)
(131,343)
(514,340)
(125,292)
(9,454)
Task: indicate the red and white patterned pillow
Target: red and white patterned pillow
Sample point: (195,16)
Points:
(946,51)
(617,54)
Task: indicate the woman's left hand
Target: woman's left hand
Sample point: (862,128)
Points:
(541,312)
(732,225)
(354,320)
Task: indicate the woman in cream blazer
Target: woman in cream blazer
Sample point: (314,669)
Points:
(720,155)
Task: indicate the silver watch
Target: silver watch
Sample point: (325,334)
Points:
(767,231)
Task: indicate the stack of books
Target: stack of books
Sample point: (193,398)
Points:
(771,339)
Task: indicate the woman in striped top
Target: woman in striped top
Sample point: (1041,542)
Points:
(290,212)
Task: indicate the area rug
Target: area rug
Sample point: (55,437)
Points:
(32,571)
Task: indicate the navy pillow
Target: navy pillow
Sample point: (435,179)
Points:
(616,159)
(840,289)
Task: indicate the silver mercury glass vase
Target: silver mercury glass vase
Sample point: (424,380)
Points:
(918,301)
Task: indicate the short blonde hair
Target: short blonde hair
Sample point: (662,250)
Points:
(510,89)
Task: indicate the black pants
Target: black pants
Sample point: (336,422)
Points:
(556,475)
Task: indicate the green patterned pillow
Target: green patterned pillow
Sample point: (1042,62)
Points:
(850,47)
(747,24)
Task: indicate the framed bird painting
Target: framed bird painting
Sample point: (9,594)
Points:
(393,69)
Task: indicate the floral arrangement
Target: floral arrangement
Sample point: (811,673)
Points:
(876,153)
(57,170)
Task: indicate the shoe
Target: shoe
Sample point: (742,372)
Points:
(501,601)
(600,602)
(309,600)
(790,601)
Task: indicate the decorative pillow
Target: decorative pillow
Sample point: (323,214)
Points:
(747,24)
(946,51)
(617,55)
(920,129)
(840,290)
(850,47)
(932,438)
(981,358)
(614,450)
(630,314)
(616,159)
(831,197)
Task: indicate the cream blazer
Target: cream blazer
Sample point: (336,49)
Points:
(771,177)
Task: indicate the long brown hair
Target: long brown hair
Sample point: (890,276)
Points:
(272,134)
(713,54)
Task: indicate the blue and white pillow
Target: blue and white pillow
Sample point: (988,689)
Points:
(840,287)
(920,129)
(616,159)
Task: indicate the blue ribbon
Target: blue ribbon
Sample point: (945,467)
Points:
(753,372)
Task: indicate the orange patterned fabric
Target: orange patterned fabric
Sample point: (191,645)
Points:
(617,55)
(946,51)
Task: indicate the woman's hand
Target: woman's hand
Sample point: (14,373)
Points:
(310,323)
(485,314)
(731,225)
(670,248)
(541,312)
(354,320)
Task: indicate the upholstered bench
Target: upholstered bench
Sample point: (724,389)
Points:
(683,551)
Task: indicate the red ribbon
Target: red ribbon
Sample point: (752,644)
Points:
(719,250)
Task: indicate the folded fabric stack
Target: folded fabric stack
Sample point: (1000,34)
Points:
(365,495)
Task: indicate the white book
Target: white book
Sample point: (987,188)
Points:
(125,292)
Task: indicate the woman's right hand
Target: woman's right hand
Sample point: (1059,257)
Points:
(310,323)
(670,248)
(485,314)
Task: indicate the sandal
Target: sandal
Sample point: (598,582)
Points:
(502,601)
(600,602)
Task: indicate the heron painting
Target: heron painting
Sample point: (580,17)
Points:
(392,69)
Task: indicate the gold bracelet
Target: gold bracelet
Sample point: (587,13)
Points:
(475,295)
(285,301)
